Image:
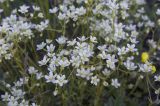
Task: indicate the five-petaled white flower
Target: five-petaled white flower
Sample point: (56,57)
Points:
(51,77)
(61,80)
(115,83)
(23,9)
(95,80)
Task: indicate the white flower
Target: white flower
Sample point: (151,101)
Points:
(1,1)
(84,51)
(62,16)
(39,75)
(4,28)
(145,67)
(122,51)
(124,5)
(157,91)
(75,60)
(157,78)
(23,9)
(36,8)
(5,97)
(50,48)
(145,18)
(84,73)
(102,48)
(92,68)
(43,25)
(112,4)
(17,93)
(152,43)
(22,81)
(111,60)
(53,10)
(115,83)
(51,77)
(24,103)
(64,52)
(61,80)
(93,39)
(48,41)
(19,83)
(33,104)
(106,72)
(63,8)
(124,14)
(131,27)
(141,10)
(131,48)
(140,2)
(44,61)
(52,65)
(158,12)
(103,55)
(83,38)
(71,43)
(1,10)
(61,40)
(80,11)
(32,70)
(64,62)
(12,101)
(150,23)
(140,24)
(141,77)
(130,58)
(130,65)
(41,46)
(94,80)
(133,40)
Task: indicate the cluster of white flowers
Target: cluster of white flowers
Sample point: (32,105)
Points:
(16,27)
(78,53)
(69,13)
(5,49)
(16,97)
(108,43)
(56,79)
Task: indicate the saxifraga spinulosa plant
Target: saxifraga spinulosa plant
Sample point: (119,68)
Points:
(79,53)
